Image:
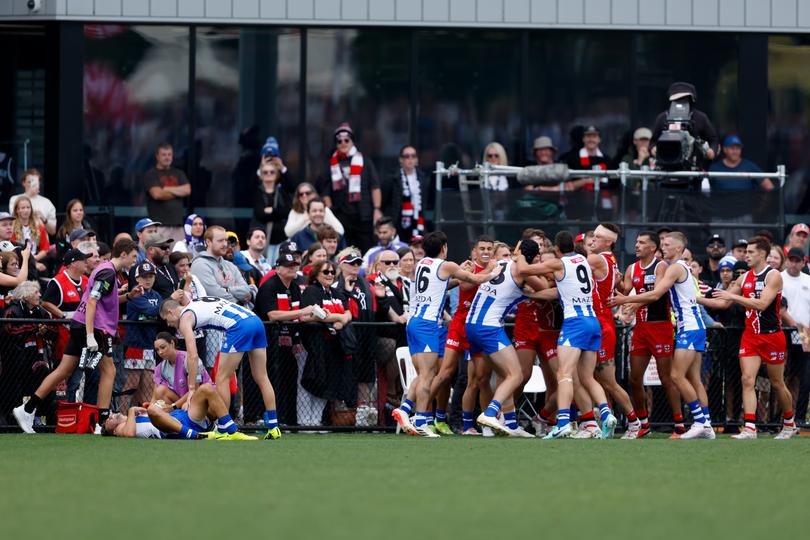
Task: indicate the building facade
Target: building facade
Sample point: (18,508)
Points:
(93,85)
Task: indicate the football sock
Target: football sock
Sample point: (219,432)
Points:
(572,413)
(544,414)
(420,419)
(563,418)
(697,411)
(604,411)
(707,418)
(441,415)
(225,424)
(429,418)
(644,418)
(633,419)
(587,417)
(493,409)
(407,406)
(32,404)
(751,422)
(510,418)
(188,433)
(788,421)
(270,420)
(468,420)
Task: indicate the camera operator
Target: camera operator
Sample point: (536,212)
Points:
(669,124)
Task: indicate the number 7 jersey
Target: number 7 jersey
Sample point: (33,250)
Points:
(576,287)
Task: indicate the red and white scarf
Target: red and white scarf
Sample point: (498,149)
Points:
(355,172)
(411,221)
(585,162)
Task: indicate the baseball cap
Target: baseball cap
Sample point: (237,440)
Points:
(6,246)
(800,227)
(233,238)
(642,133)
(286,258)
(580,237)
(741,242)
(78,234)
(289,247)
(144,223)
(740,267)
(5,215)
(678,90)
(795,253)
(731,140)
(350,258)
(73,255)
(716,238)
(543,142)
(157,240)
(144,268)
(591,129)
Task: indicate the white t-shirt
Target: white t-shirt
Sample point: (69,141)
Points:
(796,291)
(40,204)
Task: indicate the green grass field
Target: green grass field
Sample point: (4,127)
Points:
(387,487)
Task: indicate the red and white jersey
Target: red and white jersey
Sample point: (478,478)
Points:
(766,321)
(604,289)
(643,278)
(465,297)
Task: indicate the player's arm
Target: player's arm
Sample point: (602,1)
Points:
(662,286)
(127,429)
(464,273)
(525,269)
(598,266)
(773,285)
(720,298)
(546,294)
(626,284)
(537,283)
(186,329)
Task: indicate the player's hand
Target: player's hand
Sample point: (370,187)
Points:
(338,325)
(721,294)
(617,300)
(177,295)
(467,266)
(92,344)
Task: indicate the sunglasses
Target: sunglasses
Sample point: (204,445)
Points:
(342,141)
(304,193)
(328,272)
(355,263)
(269,173)
(408,156)
(389,263)
(232,242)
(496,156)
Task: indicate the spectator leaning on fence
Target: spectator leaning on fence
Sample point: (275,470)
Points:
(25,356)
(219,277)
(43,208)
(351,188)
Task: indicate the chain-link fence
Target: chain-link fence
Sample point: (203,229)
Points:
(327,379)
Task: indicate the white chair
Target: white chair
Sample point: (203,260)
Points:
(536,385)
(407,371)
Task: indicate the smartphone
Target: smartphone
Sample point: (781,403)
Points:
(182,284)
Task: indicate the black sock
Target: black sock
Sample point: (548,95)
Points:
(103,415)
(32,404)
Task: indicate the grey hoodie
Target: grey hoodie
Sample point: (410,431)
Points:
(220,278)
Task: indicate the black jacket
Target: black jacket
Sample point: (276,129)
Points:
(280,202)
(351,213)
(701,128)
(391,191)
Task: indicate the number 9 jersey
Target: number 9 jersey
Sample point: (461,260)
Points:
(580,328)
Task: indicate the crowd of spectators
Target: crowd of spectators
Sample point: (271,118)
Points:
(314,258)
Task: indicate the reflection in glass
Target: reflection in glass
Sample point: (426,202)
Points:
(135,91)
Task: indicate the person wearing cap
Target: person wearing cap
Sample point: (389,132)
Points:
(406,195)
(221,278)
(738,249)
(143,228)
(351,188)
(701,127)
(158,247)
(43,208)
(638,154)
(139,354)
(167,190)
(544,151)
(733,162)
(78,236)
(64,291)
(797,238)
(715,251)
(588,157)
(796,292)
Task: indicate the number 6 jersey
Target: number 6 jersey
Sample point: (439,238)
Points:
(428,291)
(576,287)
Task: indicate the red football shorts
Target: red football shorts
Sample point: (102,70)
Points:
(607,350)
(769,347)
(653,339)
(530,337)
(457,336)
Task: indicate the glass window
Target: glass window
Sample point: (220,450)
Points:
(360,77)
(468,95)
(245,90)
(135,96)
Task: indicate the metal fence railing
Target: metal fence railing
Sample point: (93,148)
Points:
(327,380)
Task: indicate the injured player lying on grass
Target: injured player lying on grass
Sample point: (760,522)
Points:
(159,421)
